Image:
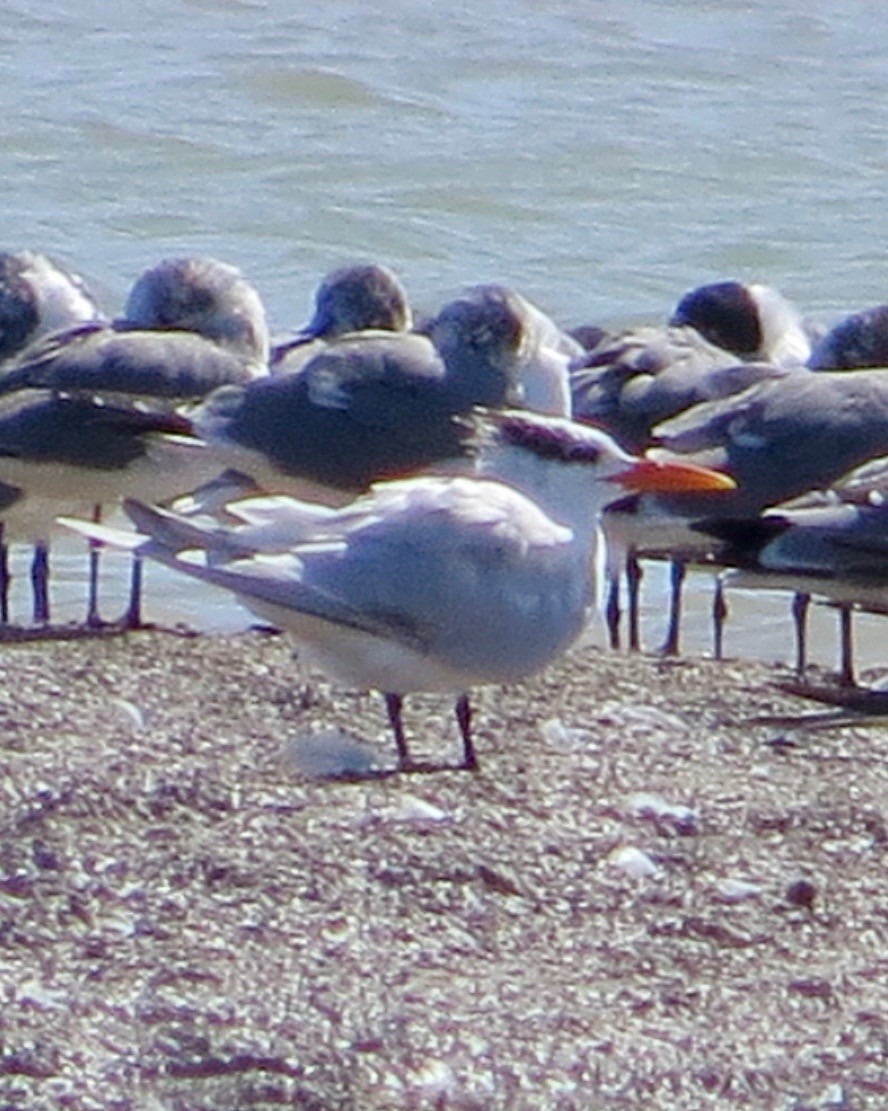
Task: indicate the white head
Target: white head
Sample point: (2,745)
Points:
(38,297)
(573,470)
(785,341)
(503,350)
(545,356)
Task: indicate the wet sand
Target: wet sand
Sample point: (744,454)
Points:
(664,888)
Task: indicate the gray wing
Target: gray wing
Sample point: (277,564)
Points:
(39,426)
(808,536)
(632,381)
(317,579)
(839,540)
(787,435)
(465,570)
(103,359)
(361,410)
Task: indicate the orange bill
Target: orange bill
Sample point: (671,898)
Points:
(657,476)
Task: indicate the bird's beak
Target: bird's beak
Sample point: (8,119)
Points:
(655,476)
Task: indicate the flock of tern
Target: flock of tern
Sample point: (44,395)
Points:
(423,503)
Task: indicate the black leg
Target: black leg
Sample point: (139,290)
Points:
(464,718)
(93,620)
(846,642)
(719,616)
(634,575)
(394,704)
(677,577)
(132,619)
(612,612)
(40,583)
(801,603)
(4,580)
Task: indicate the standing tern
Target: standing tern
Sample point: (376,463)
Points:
(779,439)
(721,338)
(38,298)
(433,583)
(190,326)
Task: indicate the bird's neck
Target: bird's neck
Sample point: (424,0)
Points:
(545,383)
(564,491)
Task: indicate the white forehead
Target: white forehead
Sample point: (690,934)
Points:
(61,297)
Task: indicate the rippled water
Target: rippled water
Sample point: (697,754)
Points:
(601,157)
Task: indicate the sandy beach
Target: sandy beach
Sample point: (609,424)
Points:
(665,887)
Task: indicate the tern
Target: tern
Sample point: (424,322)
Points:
(779,439)
(375,405)
(39,297)
(433,583)
(754,321)
(190,325)
(721,338)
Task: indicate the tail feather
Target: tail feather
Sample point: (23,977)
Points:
(274,581)
(176,533)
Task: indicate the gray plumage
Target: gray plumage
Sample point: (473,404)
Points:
(218,337)
(788,435)
(358,298)
(720,339)
(43,427)
(375,405)
(778,439)
(430,583)
(830,543)
(632,382)
(856,342)
(74,424)
(37,297)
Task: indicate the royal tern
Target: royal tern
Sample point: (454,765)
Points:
(38,297)
(433,583)
(189,325)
